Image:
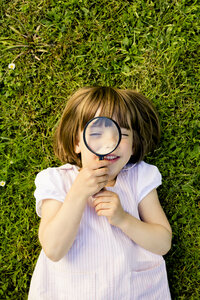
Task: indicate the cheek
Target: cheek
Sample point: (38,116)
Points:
(87,155)
(126,144)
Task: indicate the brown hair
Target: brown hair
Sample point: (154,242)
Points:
(129,107)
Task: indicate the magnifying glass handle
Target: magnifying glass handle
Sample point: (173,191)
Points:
(101,157)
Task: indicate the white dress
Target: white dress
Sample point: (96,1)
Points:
(103,263)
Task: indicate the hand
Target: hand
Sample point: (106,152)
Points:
(91,179)
(108,204)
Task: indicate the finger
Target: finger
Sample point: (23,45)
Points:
(100,172)
(104,212)
(101,185)
(105,193)
(102,179)
(103,206)
(100,164)
(101,200)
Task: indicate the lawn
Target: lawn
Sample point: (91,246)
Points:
(59,46)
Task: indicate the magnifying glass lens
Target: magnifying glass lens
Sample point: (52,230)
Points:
(102,135)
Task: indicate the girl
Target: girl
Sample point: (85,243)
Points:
(103,231)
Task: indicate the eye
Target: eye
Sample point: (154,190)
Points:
(125,132)
(95,134)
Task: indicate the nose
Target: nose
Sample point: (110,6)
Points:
(111,143)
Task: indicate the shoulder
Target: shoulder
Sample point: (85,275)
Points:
(141,169)
(144,178)
(53,183)
(147,170)
(55,173)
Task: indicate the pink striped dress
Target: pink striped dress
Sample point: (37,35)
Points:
(103,263)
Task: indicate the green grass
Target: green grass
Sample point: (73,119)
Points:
(59,46)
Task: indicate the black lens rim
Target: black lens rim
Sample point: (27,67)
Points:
(101,156)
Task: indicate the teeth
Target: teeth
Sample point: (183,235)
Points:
(111,157)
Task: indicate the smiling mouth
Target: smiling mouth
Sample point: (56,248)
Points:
(111,157)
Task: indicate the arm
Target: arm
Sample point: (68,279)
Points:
(58,226)
(152,232)
(60,221)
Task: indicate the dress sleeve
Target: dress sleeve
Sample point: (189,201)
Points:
(148,179)
(49,185)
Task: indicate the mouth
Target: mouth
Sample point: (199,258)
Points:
(111,158)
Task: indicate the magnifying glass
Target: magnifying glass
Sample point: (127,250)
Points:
(101,136)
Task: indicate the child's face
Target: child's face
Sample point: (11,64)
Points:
(118,158)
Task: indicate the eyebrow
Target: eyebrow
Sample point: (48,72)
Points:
(99,122)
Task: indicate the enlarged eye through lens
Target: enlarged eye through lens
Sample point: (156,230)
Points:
(102,135)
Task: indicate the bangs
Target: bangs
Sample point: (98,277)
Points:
(128,108)
(106,102)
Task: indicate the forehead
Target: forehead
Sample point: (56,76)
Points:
(112,106)
(122,119)
(101,122)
